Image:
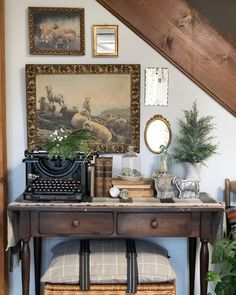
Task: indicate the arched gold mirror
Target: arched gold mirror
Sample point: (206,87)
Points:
(157,133)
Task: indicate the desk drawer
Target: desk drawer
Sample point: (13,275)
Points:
(151,224)
(84,223)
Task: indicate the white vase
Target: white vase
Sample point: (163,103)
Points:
(192,171)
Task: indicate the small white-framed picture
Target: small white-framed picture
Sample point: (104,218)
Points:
(156,86)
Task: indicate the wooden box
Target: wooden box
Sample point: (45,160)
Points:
(136,188)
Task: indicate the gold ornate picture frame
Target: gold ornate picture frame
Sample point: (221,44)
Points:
(104,99)
(56,31)
(105,40)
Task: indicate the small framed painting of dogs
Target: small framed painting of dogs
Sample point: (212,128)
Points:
(103,99)
(56,31)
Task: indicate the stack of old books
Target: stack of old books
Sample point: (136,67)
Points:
(136,188)
(103,177)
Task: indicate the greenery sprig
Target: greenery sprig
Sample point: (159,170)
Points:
(194,145)
(66,145)
(224,255)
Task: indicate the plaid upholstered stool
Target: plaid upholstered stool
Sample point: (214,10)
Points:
(113,267)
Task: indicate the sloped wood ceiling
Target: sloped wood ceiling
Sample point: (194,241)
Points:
(186,39)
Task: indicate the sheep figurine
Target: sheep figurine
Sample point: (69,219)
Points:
(101,132)
(187,188)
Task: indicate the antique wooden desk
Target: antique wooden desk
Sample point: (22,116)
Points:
(111,219)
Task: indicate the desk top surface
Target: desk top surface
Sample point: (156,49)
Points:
(204,202)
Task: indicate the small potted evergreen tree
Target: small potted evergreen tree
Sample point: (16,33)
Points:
(194,142)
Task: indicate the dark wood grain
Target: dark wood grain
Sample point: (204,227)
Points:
(88,221)
(186,39)
(161,224)
(76,223)
(25,266)
(37,263)
(3,159)
(204,262)
(192,247)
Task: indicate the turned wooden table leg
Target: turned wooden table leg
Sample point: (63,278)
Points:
(204,262)
(37,264)
(25,268)
(192,243)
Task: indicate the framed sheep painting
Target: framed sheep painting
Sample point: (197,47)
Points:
(57,31)
(103,99)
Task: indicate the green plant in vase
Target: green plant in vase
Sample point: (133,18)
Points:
(65,145)
(194,142)
(224,257)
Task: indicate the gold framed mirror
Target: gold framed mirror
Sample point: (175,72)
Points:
(105,40)
(157,133)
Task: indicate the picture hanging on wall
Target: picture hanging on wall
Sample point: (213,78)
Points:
(156,86)
(105,40)
(56,31)
(103,99)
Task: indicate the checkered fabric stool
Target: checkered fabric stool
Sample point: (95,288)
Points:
(109,267)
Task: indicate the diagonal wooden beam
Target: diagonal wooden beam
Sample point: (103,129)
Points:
(186,39)
(3,165)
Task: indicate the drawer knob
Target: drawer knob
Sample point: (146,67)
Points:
(154,223)
(75,223)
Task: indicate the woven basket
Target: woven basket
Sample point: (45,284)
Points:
(143,289)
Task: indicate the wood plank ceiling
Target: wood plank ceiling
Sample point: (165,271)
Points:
(185,38)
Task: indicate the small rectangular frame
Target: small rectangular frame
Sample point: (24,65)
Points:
(105,40)
(56,31)
(156,86)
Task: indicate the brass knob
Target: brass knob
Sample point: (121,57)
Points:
(154,223)
(75,223)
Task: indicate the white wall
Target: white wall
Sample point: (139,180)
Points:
(182,93)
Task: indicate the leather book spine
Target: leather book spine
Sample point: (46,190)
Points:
(107,166)
(92,178)
(99,176)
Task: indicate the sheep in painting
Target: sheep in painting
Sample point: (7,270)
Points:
(68,113)
(58,36)
(45,106)
(99,131)
(87,107)
(58,98)
(120,123)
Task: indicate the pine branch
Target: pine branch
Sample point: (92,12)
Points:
(65,145)
(193,144)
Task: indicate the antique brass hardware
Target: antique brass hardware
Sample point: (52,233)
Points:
(75,223)
(154,223)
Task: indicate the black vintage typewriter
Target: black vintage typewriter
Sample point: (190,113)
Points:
(56,179)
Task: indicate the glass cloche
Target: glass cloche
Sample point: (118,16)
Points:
(131,165)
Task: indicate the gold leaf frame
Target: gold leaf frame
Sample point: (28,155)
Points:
(133,70)
(154,118)
(116,37)
(42,11)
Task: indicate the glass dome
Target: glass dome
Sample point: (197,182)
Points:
(131,164)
